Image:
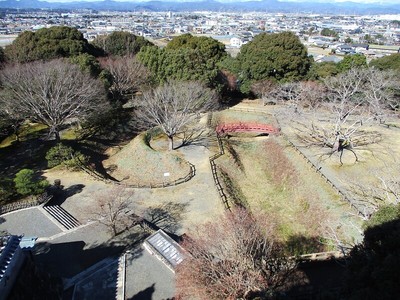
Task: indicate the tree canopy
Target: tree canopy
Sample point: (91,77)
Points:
(352,61)
(387,213)
(87,63)
(209,47)
(185,58)
(27,184)
(48,43)
(329,32)
(125,76)
(2,55)
(120,43)
(280,56)
(387,62)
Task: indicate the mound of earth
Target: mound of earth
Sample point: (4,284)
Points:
(139,163)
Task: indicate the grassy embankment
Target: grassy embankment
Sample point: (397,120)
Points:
(266,174)
(139,162)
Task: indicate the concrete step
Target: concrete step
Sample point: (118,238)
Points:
(55,213)
(62,216)
(67,216)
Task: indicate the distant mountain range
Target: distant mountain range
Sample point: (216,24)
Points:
(210,5)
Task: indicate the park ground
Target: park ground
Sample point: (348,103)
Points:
(66,253)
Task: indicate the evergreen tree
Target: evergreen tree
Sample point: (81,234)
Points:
(279,56)
(120,43)
(26,184)
(185,58)
(389,62)
(48,43)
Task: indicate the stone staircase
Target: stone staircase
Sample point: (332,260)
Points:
(62,216)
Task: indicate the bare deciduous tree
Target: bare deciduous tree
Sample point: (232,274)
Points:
(386,189)
(304,94)
(333,235)
(287,93)
(174,105)
(113,210)
(235,257)
(353,101)
(379,92)
(345,95)
(51,93)
(128,75)
(312,94)
(264,89)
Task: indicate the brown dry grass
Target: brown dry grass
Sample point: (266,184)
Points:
(139,163)
(274,178)
(374,159)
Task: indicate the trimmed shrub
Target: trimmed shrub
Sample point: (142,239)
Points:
(26,183)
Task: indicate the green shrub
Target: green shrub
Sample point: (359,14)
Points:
(5,193)
(385,214)
(27,184)
(65,156)
(7,190)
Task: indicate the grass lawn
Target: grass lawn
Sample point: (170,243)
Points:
(26,132)
(139,162)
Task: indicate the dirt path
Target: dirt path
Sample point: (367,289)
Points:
(177,208)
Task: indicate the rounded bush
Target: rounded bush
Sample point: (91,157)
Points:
(27,184)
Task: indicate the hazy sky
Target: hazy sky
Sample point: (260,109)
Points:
(328,1)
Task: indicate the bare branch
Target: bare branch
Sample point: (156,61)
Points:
(51,93)
(113,210)
(355,100)
(128,76)
(175,105)
(232,258)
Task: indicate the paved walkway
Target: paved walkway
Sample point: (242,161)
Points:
(148,278)
(65,253)
(29,222)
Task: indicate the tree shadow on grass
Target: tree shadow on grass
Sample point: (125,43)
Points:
(28,154)
(197,136)
(96,154)
(167,216)
(299,244)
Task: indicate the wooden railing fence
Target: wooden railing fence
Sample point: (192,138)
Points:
(214,172)
(96,175)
